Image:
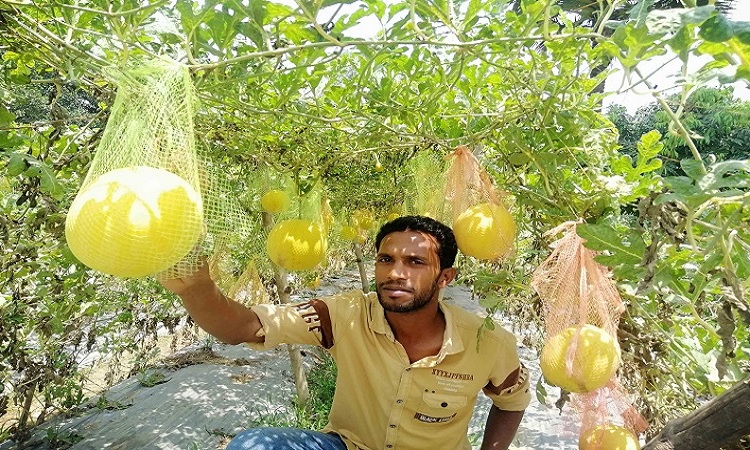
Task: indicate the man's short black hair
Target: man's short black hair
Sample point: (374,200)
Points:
(447,247)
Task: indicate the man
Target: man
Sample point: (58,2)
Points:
(409,366)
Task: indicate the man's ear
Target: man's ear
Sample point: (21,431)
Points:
(446,276)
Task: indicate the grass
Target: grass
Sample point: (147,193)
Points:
(314,415)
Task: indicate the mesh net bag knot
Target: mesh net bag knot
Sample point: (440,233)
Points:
(482,224)
(466,182)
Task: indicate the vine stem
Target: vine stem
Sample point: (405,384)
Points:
(691,216)
(368,43)
(152,5)
(677,123)
(48,36)
(314,21)
(414,24)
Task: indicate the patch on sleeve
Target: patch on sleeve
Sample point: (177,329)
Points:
(315,313)
(523,376)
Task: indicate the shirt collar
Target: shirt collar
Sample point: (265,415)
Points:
(452,342)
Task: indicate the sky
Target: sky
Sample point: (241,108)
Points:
(666,76)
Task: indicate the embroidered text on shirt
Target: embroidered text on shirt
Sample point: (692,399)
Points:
(307,312)
(452,375)
(429,419)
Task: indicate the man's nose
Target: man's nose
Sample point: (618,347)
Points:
(397,271)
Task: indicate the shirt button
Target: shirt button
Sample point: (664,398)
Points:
(392,425)
(408,369)
(389,446)
(399,401)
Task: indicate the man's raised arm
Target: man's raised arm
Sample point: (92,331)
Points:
(227,320)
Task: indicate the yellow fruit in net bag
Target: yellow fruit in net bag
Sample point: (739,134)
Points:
(134,222)
(595,359)
(274,201)
(608,437)
(485,231)
(348,233)
(363,219)
(296,244)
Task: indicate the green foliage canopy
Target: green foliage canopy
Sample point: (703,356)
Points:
(324,90)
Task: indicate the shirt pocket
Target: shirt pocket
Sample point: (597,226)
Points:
(438,407)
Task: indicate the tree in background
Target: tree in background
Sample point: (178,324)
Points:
(719,123)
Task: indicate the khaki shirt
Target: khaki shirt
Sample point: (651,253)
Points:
(384,402)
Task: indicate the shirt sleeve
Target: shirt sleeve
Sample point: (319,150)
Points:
(312,323)
(508,394)
(514,398)
(295,323)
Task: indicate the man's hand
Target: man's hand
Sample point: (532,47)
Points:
(184,285)
(224,318)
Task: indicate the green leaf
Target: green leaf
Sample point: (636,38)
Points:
(639,12)
(16,164)
(10,141)
(475,6)
(49,184)
(602,237)
(650,145)
(681,185)
(637,44)
(6,117)
(693,168)
(716,29)
(10,55)
(681,41)
(187,18)
(696,16)
(721,168)
(742,32)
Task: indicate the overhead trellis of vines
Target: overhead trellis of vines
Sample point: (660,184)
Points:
(306,85)
(348,92)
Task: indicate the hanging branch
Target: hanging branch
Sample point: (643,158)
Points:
(48,38)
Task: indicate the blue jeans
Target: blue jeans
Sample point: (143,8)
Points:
(285,439)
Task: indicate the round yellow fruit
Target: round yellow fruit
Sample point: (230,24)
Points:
(348,233)
(363,219)
(274,201)
(393,216)
(134,222)
(608,437)
(296,244)
(485,231)
(595,359)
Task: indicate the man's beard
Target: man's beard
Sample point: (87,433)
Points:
(418,301)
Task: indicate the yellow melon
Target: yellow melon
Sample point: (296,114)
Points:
(134,221)
(393,216)
(363,219)
(274,201)
(608,437)
(348,233)
(485,231)
(296,244)
(595,359)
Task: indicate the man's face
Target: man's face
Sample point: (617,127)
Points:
(407,271)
